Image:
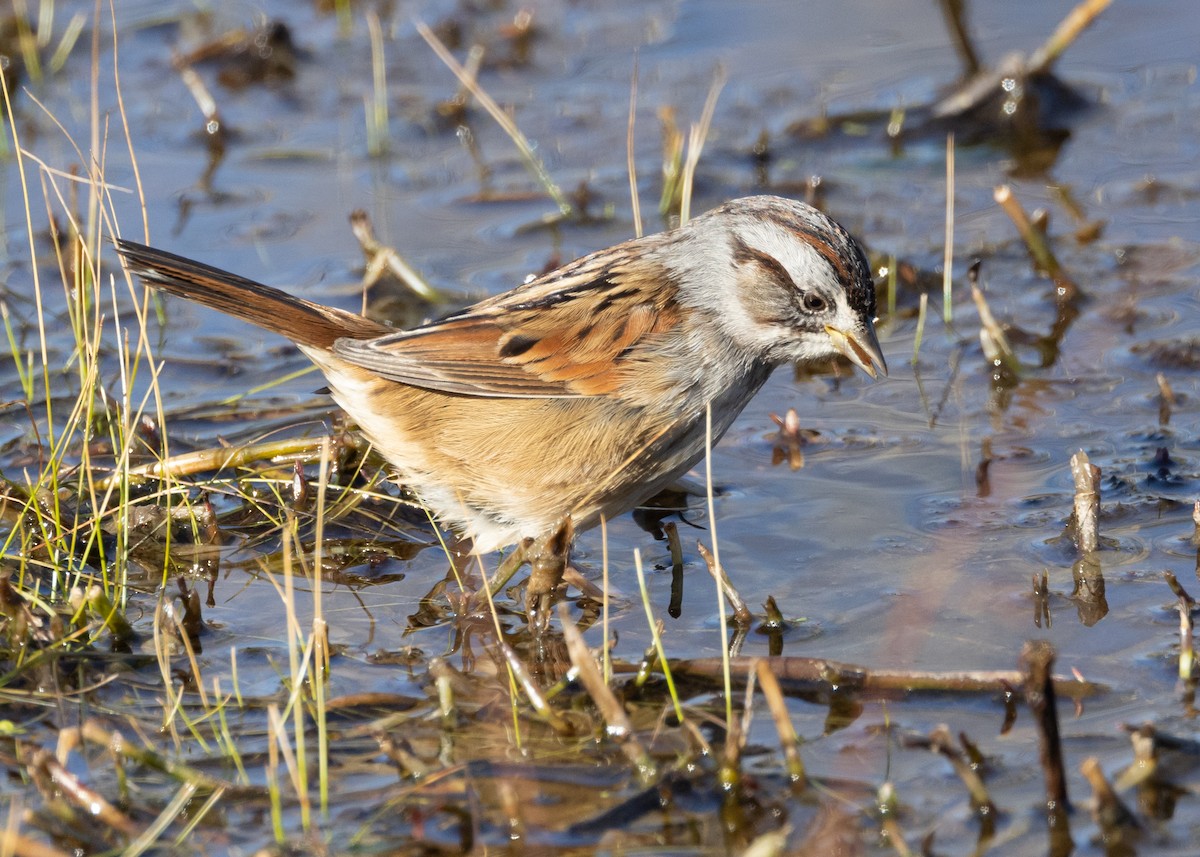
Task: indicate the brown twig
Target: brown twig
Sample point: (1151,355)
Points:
(1037,660)
(788,740)
(808,674)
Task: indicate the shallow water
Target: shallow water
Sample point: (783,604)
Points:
(884,547)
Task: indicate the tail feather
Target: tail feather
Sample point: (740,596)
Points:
(303,322)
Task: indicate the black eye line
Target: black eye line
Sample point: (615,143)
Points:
(743,253)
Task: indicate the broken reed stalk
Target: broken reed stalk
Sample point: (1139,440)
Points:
(616,722)
(1065,290)
(1077,20)
(1087,502)
(1114,819)
(1166,399)
(1184,604)
(1037,660)
(942,743)
(995,344)
(789,741)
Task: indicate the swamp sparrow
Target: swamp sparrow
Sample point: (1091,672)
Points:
(582,393)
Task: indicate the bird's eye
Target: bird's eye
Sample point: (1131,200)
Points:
(813,302)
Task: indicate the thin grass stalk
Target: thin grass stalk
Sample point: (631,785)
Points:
(133,161)
(233,677)
(154,831)
(196,816)
(501,118)
(272,776)
(948,249)
(514,683)
(922,313)
(296,657)
(30,233)
(606,652)
(696,137)
(726,672)
(224,735)
(654,632)
(631,164)
(320,634)
(377,107)
(162,655)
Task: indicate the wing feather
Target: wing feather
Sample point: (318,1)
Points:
(566,335)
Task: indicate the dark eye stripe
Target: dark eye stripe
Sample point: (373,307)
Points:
(743,253)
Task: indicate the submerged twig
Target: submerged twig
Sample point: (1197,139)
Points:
(807,674)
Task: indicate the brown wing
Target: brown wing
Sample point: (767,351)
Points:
(568,334)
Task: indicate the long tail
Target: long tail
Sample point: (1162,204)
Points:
(303,322)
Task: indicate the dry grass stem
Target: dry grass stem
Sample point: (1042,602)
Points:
(696,138)
(500,117)
(1185,604)
(617,723)
(1078,19)
(992,338)
(1036,243)
(742,616)
(631,164)
(382,258)
(789,741)
(948,242)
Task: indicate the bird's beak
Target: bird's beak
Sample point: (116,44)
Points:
(860,347)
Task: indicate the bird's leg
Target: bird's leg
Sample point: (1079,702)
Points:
(548,558)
